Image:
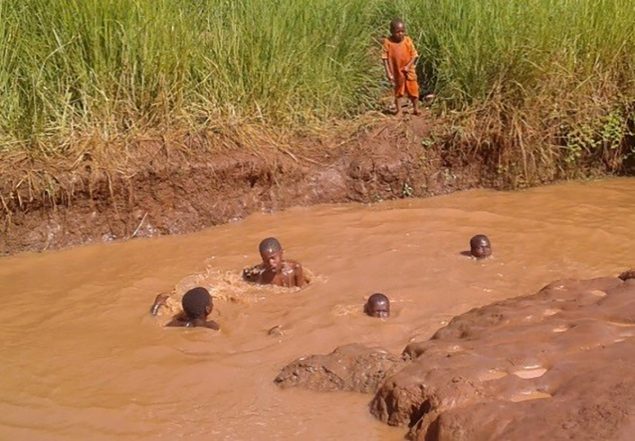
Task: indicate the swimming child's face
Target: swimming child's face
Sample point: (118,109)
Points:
(481,248)
(272,259)
(398,32)
(378,308)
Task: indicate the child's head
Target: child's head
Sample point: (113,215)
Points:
(197,303)
(397,29)
(480,246)
(271,253)
(378,306)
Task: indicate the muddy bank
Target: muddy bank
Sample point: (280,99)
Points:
(352,367)
(555,364)
(167,190)
(160,186)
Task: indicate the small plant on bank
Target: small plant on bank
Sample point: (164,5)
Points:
(407,190)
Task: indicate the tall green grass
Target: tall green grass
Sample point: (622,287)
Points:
(476,47)
(109,68)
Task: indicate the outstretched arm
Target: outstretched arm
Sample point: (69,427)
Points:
(252,274)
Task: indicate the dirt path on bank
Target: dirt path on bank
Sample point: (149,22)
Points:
(163,190)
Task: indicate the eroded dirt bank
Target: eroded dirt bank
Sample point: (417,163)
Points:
(555,365)
(158,186)
(165,190)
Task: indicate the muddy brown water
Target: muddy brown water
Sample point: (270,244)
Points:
(82,359)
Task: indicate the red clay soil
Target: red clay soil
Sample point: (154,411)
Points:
(569,378)
(170,191)
(352,367)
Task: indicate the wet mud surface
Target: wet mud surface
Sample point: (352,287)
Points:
(163,192)
(352,367)
(553,365)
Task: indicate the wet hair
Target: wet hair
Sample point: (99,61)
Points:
(475,241)
(269,244)
(375,299)
(378,298)
(195,303)
(394,23)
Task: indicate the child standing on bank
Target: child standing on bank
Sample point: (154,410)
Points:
(399,56)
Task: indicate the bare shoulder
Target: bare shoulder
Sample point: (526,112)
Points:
(211,324)
(176,323)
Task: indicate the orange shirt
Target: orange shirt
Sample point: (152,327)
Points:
(398,56)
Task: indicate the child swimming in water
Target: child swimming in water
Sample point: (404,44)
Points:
(274,270)
(377,305)
(399,57)
(197,305)
(627,275)
(480,247)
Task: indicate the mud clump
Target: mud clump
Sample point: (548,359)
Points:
(348,368)
(626,275)
(554,365)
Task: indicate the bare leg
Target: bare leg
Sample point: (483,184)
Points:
(415,105)
(397,107)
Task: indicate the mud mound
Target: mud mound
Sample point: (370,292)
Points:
(352,367)
(554,365)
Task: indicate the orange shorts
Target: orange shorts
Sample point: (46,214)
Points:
(407,86)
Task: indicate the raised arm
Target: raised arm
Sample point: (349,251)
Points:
(159,301)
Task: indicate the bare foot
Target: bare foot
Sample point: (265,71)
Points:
(416,112)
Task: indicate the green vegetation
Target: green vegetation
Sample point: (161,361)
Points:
(109,67)
(553,80)
(519,73)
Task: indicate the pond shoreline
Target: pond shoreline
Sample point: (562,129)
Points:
(163,190)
